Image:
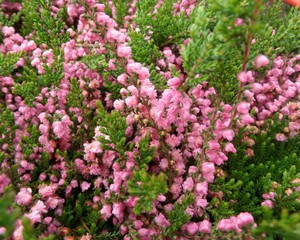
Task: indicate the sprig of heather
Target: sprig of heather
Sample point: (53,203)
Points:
(94,138)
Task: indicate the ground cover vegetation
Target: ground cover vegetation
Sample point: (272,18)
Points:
(149,119)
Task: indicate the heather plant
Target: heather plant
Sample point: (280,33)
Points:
(149,119)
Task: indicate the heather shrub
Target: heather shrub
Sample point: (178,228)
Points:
(149,119)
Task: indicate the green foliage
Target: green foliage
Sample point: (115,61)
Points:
(5,20)
(217,46)
(7,63)
(30,83)
(287,227)
(163,24)
(36,16)
(147,187)
(142,50)
(285,22)
(177,216)
(84,218)
(7,131)
(122,7)
(75,97)
(113,127)
(146,154)
(250,177)
(95,62)
(166,29)
(8,218)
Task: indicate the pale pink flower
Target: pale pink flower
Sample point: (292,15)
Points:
(106,211)
(261,61)
(228,134)
(24,197)
(58,129)
(244,219)
(188,184)
(85,186)
(229,147)
(118,210)
(200,202)
(243,77)
(143,232)
(174,82)
(143,73)
(243,107)
(238,22)
(8,31)
(34,216)
(161,220)
(124,51)
(119,105)
(72,10)
(191,228)
(2,230)
(47,191)
(205,226)
(138,224)
(267,203)
(201,188)
(208,170)
(4,181)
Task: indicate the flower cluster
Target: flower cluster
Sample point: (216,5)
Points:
(103,139)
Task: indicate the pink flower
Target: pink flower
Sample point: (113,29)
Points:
(229,147)
(163,164)
(119,105)
(247,119)
(4,181)
(200,202)
(58,129)
(47,220)
(143,73)
(24,197)
(261,61)
(244,219)
(228,134)
(8,31)
(202,188)
(226,224)
(267,203)
(106,210)
(124,51)
(2,230)
(243,107)
(257,87)
(174,82)
(47,191)
(238,22)
(188,184)
(118,210)
(208,170)
(243,77)
(85,186)
(143,232)
(191,228)
(205,226)
(72,10)
(138,224)
(161,220)
(281,137)
(131,101)
(122,78)
(35,217)
(133,67)
(39,207)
